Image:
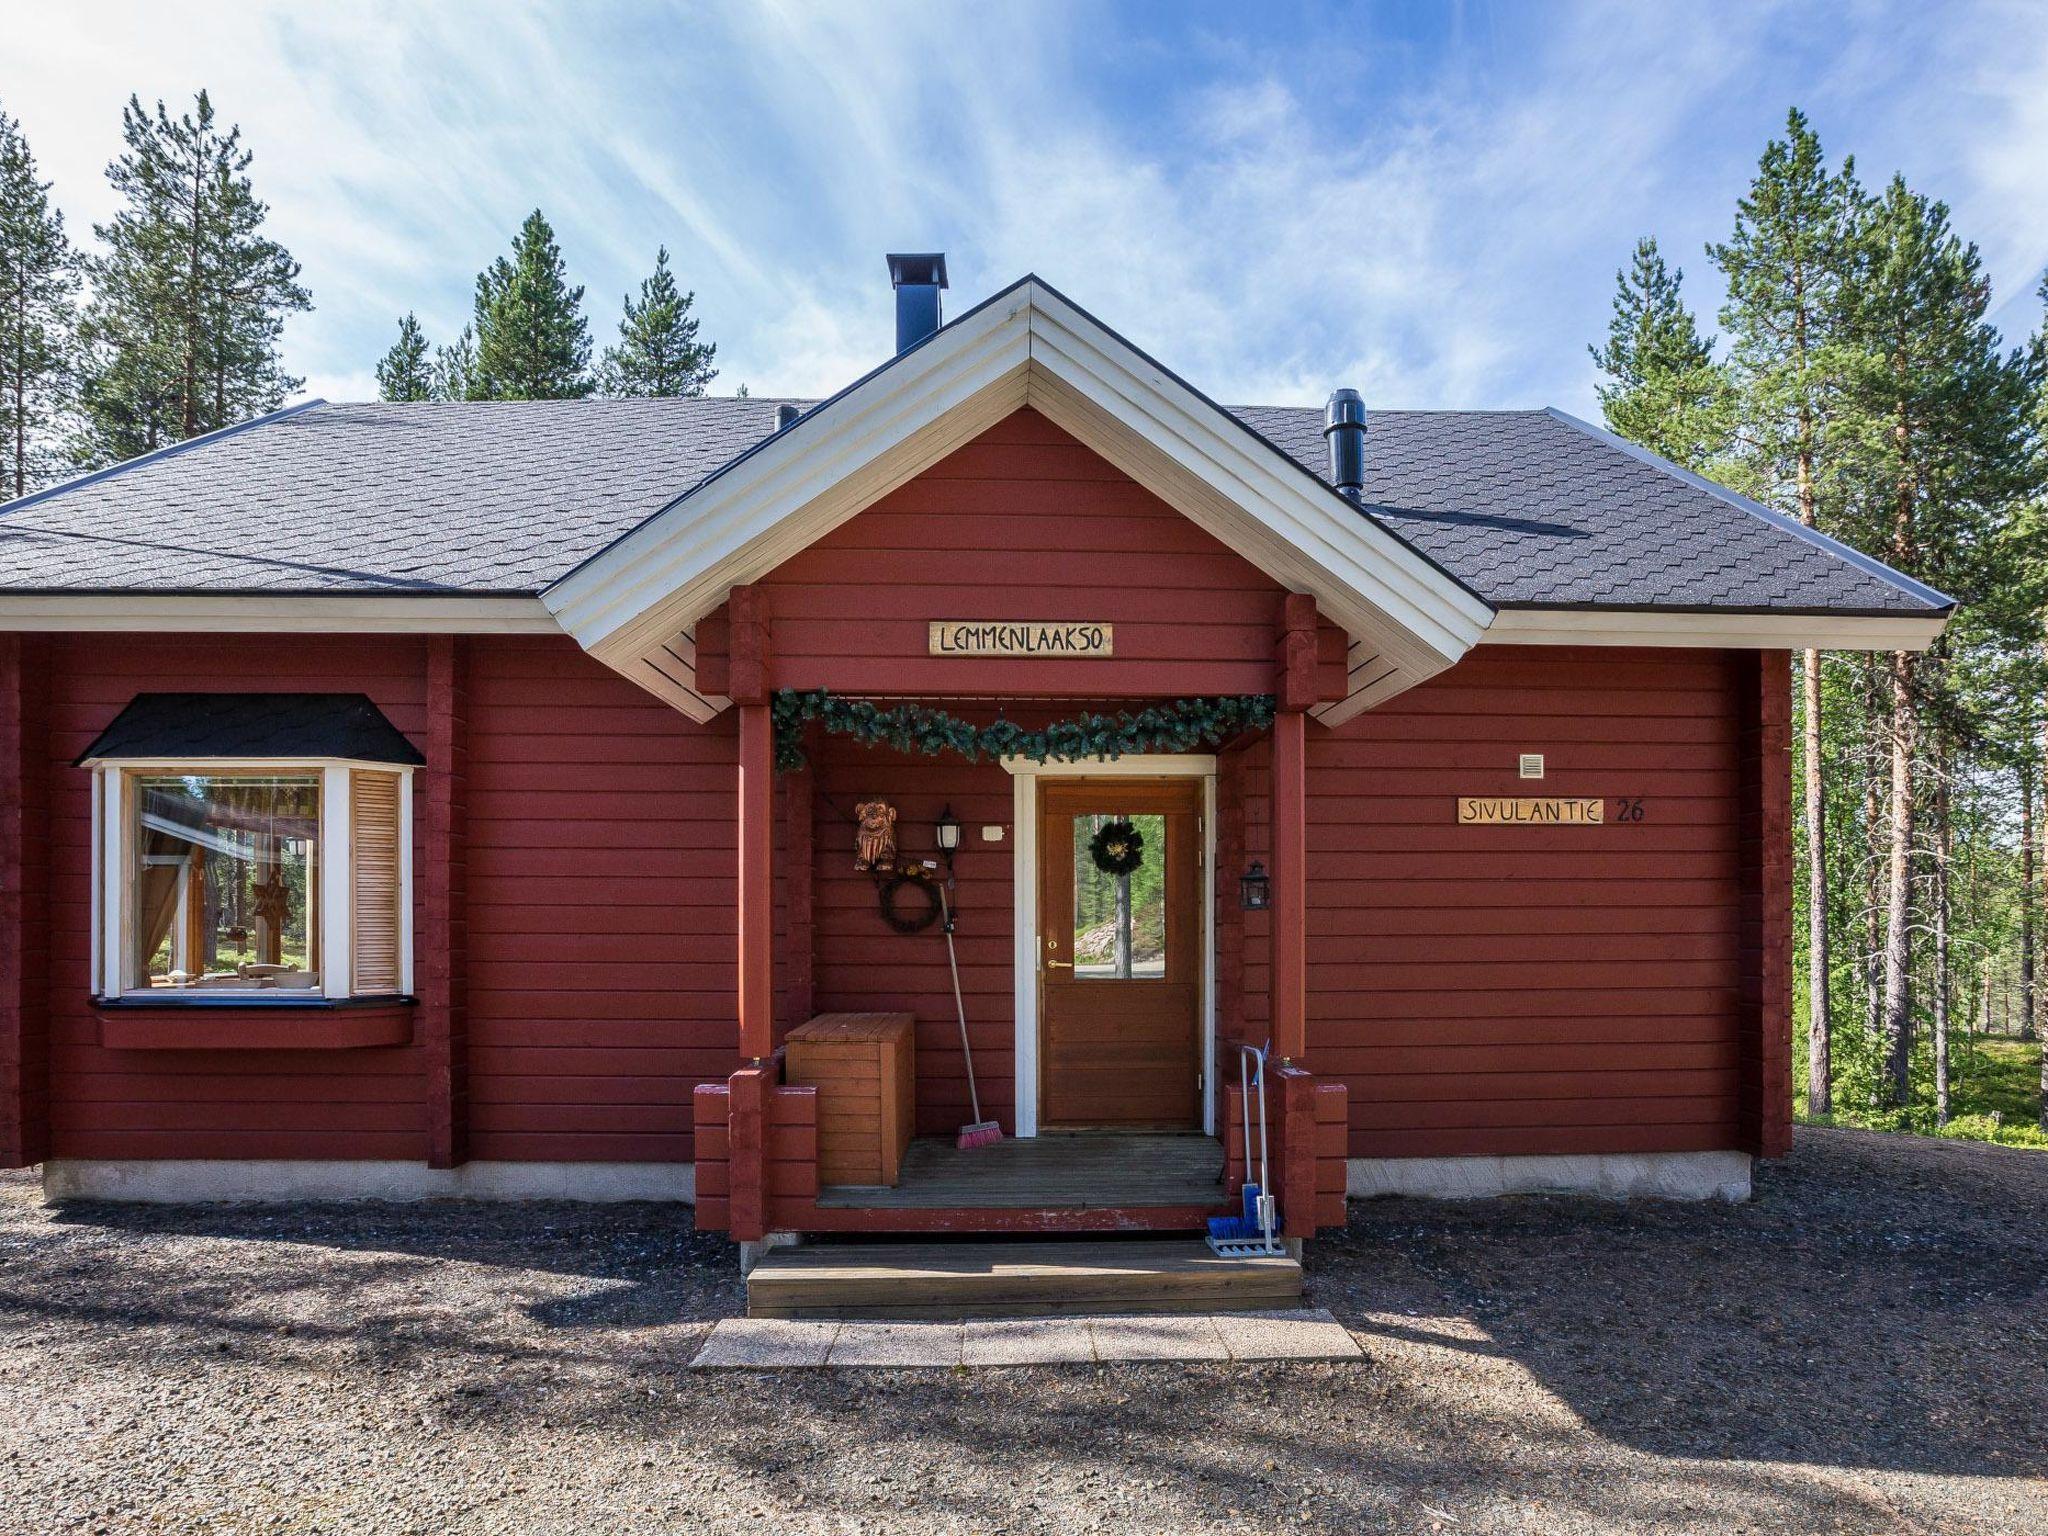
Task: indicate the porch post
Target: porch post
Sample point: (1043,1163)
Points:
(1296,690)
(750,692)
(1290,885)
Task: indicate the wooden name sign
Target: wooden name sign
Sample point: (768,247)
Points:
(978,637)
(1474,809)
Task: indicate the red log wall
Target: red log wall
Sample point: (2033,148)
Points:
(592,986)
(1475,989)
(1521,990)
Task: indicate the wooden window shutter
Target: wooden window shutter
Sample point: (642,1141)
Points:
(375,919)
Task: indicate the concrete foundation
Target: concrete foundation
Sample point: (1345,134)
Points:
(169,1180)
(1615,1175)
(753,1251)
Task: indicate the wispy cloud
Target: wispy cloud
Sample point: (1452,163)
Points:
(1426,203)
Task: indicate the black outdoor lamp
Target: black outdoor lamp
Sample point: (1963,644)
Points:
(1255,890)
(946,833)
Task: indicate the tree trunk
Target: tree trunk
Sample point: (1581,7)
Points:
(1898,931)
(1944,847)
(1820,1099)
(21,390)
(1873,934)
(2027,906)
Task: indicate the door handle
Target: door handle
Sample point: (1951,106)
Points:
(1059,965)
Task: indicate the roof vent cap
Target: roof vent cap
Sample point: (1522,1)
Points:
(917,278)
(1344,430)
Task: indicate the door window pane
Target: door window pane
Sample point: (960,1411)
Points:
(1120,920)
(225,882)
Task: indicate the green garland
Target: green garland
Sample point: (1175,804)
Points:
(1179,726)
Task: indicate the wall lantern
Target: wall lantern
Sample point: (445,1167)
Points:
(946,833)
(1255,890)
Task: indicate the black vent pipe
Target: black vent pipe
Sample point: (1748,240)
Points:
(785,417)
(1344,427)
(917,279)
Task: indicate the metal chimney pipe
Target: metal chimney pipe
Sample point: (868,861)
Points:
(785,417)
(1344,429)
(917,278)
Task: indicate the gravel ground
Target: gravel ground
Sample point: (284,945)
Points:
(1864,1347)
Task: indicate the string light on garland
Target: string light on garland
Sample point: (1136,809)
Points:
(1178,726)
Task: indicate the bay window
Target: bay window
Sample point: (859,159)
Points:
(268,879)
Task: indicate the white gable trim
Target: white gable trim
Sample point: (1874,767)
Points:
(634,604)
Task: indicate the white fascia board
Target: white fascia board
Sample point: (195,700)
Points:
(796,487)
(299,613)
(1300,531)
(1716,631)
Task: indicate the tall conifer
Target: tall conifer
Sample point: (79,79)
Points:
(189,296)
(38,279)
(1938,416)
(658,352)
(532,342)
(404,373)
(455,376)
(1664,389)
(1784,267)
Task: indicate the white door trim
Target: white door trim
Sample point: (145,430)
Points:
(1024,777)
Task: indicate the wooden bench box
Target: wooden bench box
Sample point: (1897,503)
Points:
(863,1066)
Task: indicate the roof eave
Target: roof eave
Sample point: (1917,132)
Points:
(1940,602)
(1717,628)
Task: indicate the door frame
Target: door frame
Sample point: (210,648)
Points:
(1024,780)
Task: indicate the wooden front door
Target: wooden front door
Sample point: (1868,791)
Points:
(1120,958)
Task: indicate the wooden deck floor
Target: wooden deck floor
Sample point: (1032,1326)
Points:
(1076,1172)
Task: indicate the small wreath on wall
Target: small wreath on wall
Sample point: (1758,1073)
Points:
(1117,848)
(917,920)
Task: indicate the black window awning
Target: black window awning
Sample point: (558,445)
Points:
(201,726)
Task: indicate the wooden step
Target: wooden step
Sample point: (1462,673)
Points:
(954,1279)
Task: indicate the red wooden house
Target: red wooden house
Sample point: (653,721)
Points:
(414,799)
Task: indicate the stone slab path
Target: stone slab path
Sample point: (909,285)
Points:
(767,1343)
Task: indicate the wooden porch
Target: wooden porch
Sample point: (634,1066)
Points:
(764,1137)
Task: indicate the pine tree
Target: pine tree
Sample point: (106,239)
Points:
(38,279)
(532,342)
(1665,390)
(404,373)
(1939,418)
(455,375)
(658,351)
(1784,267)
(2037,516)
(189,297)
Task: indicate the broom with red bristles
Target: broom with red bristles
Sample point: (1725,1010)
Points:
(980,1133)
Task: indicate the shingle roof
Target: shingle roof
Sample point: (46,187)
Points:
(1527,508)
(1535,509)
(491,497)
(244,725)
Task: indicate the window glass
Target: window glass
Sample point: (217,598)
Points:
(225,885)
(1120,919)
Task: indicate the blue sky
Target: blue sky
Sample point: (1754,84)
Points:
(1426,202)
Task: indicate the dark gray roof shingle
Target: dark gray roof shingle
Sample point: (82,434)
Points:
(1530,508)
(489,497)
(1524,507)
